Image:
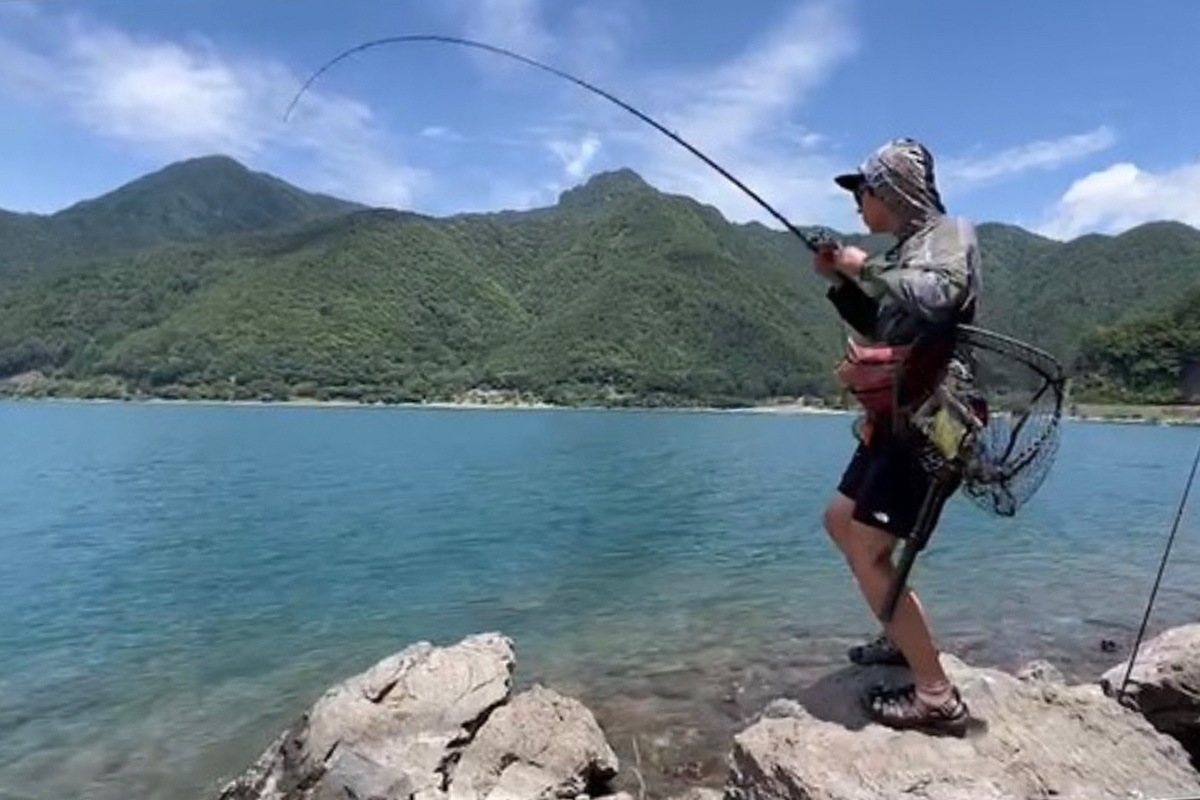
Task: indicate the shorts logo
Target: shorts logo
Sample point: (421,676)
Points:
(881,516)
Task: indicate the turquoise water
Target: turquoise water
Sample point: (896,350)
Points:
(178,582)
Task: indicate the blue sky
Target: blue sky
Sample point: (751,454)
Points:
(1061,117)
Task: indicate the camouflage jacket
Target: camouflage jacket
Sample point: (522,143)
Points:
(927,282)
(929,278)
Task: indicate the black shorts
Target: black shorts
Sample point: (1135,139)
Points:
(888,486)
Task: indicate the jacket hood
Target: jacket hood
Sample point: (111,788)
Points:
(901,174)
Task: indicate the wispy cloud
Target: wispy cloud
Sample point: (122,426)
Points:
(180,99)
(585,38)
(576,156)
(585,35)
(1123,195)
(442,133)
(1046,154)
(177,98)
(742,113)
(515,24)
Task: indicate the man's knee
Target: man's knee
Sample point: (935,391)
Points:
(837,518)
(872,547)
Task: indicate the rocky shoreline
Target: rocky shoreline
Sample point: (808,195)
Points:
(447,723)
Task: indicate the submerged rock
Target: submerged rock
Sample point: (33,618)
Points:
(1036,738)
(1164,685)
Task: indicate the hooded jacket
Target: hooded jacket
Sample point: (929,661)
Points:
(926,283)
(931,276)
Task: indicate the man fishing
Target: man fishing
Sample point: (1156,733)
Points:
(902,306)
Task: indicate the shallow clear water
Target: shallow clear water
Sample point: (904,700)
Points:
(177,582)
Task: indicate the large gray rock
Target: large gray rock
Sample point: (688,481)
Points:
(540,745)
(431,722)
(1036,738)
(1164,685)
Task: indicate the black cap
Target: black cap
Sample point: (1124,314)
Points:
(851,181)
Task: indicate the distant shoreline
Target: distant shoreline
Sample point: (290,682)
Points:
(1142,414)
(1131,413)
(440,405)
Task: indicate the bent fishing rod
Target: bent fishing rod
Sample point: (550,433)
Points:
(814,242)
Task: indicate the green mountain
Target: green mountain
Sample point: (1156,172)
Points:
(208,280)
(186,201)
(1065,291)
(1151,357)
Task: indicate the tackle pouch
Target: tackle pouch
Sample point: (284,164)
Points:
(869,372)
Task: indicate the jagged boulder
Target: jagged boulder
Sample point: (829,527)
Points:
(443,723)
(1036,737)
(541,744)
(1164,685)
(430,723)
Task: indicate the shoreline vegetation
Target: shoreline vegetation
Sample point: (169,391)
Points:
(482,399)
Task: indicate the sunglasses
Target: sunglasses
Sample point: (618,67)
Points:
(861,191)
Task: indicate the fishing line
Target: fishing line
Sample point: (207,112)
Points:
(1161,568)
(813,242)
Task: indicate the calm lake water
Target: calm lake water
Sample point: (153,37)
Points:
(178,582)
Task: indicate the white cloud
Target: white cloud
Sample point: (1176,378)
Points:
(442,133)
(1124,195)
(576,156)
(585,39)
(738,99)
(1046,154)
(181,99)
(586,35)
(741,115)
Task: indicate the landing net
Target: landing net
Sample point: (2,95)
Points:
(1022,392)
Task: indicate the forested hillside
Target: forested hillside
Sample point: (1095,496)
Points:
(206,280)
(1152,357)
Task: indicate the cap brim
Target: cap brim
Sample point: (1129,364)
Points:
(851,181)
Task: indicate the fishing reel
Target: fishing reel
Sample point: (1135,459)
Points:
(821,238)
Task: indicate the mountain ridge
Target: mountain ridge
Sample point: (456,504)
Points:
(185,201)
(236,284)
(615,180)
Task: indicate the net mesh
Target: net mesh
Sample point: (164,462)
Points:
(1020,391)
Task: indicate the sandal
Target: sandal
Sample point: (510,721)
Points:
(902,708)
(877,651)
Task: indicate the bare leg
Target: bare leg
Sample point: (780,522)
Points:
(868,551)
(870,558)
(931,702)
(838,518)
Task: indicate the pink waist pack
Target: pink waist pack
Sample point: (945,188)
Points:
(869,373)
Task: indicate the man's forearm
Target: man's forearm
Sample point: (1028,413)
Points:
(854,306)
